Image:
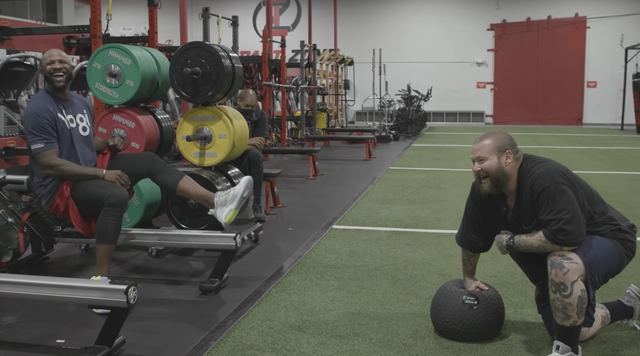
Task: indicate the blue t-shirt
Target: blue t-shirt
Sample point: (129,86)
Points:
(54,123)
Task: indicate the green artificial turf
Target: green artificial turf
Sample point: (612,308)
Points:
(365,292)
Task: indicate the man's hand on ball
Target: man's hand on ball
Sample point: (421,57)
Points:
(473,284)
(501,241)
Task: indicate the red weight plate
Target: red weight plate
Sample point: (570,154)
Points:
(132,124)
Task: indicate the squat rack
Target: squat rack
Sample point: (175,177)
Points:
(636,48)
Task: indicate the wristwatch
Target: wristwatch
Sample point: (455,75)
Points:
(511,243)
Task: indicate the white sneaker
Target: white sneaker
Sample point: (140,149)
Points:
(100,311)
(632,299)
(228,202)
(560,349)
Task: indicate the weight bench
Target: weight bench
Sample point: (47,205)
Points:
(310,152)
(326,138)
(119,297)
(60,230)
(334,130)
(271,190)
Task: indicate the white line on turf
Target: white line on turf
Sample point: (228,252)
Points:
(562,147)
(429,231)
(534,134)
(398,229)
(469,170)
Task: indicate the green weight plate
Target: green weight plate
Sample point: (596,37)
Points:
(162,70)
(150,70)
(119,74)
(144,204)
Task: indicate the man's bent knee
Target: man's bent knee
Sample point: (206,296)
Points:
(117,199)
(255,157)
(565,266)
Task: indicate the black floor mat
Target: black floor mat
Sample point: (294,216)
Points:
(172,317)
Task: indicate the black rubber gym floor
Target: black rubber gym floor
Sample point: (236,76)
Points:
(172,316)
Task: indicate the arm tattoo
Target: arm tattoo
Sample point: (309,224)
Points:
(535,242)
(469,263)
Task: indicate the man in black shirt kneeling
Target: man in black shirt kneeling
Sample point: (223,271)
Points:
(552,224)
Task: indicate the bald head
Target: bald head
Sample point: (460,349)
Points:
(55,52)
(57,71)
(248,99)
(501,143)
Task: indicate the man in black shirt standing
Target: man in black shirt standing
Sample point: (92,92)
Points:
(251,161)
(559,231)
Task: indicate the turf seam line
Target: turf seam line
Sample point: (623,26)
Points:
(400,229)
(209,341)
(560,147)
(468,170)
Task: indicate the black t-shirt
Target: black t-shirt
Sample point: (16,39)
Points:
(257,122)
(549,198)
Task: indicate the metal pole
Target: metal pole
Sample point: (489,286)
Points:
(624,87)
(235,24)
(380,83)
(303,106)
(315,90)
(206,21)
(283,91)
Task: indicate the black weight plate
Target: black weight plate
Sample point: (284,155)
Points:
(238,73)
(215,73)
(187,214)
(230,172)
(167,131)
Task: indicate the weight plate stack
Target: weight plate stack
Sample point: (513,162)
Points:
(134,125)
(121,74)
(230,172)
(226,137)
(167,131)
(162,69)
(144,204)
(201,73)
(241,129)
(238,73)
(188,214)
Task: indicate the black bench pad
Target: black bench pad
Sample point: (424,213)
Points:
(272,173)
(353,138)
(350,129)
(290,150)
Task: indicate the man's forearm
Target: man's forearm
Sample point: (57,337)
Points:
(100,144)
(63,169)
(469,264)
(535,242)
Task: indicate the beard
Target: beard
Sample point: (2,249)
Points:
(495,183)
(58,84)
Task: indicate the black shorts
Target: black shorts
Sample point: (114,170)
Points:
(602,261)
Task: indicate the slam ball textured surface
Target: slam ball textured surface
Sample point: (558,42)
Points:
(461,315)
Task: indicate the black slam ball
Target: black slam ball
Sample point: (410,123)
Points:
(461,315)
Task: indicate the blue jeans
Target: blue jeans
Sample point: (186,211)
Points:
(602,261)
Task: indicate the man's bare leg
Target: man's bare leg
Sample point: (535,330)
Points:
(568,296)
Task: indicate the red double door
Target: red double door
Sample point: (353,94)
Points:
(539,75)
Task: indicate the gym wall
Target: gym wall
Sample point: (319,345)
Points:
(427,43)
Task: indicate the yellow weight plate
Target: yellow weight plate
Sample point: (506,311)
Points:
(212,136)
(242,131)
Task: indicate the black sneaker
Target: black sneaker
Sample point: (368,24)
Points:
(258,213)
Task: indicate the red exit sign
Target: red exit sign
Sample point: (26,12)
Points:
(592,84)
